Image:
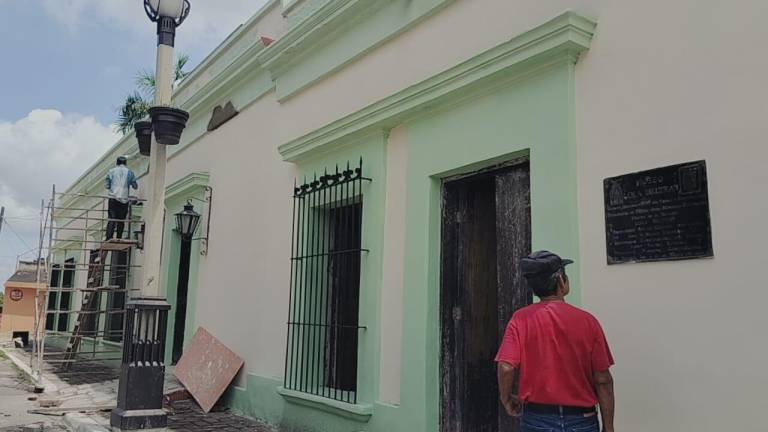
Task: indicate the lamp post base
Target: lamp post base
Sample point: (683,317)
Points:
(142,372)
(138,419)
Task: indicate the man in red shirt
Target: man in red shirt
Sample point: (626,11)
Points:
(561,354)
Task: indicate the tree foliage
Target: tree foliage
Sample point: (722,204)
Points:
(136,105)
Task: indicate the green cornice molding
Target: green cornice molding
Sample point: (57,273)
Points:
(326,20)
(297,11)
(202,93)
(335,33)
(223,64)
(560,39)
(289,6)
(186,185)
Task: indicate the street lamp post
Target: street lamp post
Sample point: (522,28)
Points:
(142,372)
(168,14)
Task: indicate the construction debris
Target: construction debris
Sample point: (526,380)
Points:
(49,403)
(60,411)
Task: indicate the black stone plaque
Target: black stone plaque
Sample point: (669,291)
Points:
(658,215)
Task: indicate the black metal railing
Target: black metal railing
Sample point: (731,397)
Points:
(323,316)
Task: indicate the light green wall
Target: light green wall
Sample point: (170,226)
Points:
(372,151)
(260,397)
(529,117)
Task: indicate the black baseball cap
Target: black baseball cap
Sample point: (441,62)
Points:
(542,263)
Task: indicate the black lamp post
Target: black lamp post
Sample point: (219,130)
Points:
(187,221)
(142,368)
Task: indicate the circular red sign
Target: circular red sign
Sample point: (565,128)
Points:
(17,295)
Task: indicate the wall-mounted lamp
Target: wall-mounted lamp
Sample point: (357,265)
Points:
(188,219)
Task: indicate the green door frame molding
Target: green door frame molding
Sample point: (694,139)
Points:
(191,186)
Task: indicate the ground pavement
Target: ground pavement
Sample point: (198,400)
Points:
(84,396)
(14,402)
(186,416)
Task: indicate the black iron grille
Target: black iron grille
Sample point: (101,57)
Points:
(323,316)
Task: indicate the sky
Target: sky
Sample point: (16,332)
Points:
(65,67)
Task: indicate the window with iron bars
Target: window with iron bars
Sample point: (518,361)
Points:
(323,316)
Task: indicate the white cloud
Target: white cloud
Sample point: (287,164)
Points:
(44,148)
(210,21)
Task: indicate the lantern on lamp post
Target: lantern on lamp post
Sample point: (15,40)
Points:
(176,10)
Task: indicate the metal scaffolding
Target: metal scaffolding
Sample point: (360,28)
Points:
(84,283)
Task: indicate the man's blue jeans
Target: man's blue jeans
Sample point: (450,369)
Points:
(531,422)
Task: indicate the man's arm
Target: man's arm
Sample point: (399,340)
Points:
(506,376)
(133,182)
(108,181)
(604,390)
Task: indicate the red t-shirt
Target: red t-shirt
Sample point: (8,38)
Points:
(557,347)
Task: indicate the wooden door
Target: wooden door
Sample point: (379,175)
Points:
(180,308)
(485,232)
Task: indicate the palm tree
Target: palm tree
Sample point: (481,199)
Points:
(136,105)
(133,109)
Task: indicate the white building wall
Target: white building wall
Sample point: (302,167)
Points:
(665,83)
(243,281)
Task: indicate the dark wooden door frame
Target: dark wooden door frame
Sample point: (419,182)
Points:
(513,241)
(182,291)
(511,183)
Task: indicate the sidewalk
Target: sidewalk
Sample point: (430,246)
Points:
(16,399)
(186,416)
(85,397)
(91,386)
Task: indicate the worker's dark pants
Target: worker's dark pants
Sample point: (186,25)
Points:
(119,211)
